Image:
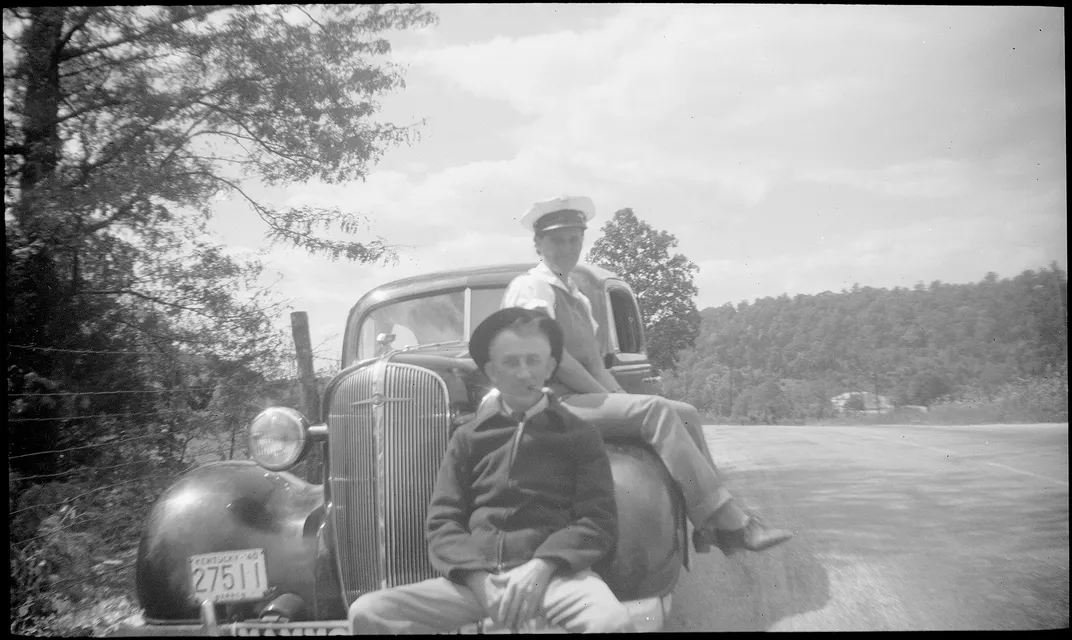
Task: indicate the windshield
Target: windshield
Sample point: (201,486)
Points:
(434,318)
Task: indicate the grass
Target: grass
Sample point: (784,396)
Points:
(71,583)
(72,571)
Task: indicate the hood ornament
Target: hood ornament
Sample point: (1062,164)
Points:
(378,399)
(385,340)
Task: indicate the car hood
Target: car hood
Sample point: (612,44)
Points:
(466,385)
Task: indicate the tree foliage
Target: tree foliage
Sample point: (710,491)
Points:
(916,346)
(663,283)
(122,123)
(133,111)
(132,333)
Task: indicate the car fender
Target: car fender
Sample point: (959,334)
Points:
(652,546)
(226,506)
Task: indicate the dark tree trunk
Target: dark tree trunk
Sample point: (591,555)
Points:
(41,67)
(36,288)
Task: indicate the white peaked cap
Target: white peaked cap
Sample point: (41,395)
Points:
(569,211)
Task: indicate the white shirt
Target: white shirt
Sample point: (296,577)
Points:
(533,290)
(494,396)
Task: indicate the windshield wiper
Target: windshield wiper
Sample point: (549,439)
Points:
(430,344)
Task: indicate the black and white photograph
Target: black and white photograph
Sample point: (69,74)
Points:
(500,318)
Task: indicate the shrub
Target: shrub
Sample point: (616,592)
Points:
(44,571)
(72,555)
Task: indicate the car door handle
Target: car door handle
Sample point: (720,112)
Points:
(652,379)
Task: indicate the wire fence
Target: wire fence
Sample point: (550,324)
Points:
(218,438)
(82,499)
(137,391)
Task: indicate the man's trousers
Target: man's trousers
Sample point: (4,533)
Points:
(672,428)
(579,602)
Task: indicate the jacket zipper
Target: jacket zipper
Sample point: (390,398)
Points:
(513,450)
(498,554)
(509,477)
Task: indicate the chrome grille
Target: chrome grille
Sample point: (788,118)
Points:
(384,459)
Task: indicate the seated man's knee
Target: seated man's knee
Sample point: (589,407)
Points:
(609,619)
(368,606)
(691,417)
(658,405)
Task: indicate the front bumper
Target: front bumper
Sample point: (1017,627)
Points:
(647,615)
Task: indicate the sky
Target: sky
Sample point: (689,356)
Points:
(789,148)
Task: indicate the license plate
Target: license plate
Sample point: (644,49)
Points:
(229,576)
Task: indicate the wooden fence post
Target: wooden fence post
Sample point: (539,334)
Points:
(310,390)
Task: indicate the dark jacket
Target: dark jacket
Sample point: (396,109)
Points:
(494,508)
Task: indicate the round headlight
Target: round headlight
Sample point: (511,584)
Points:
(277,438)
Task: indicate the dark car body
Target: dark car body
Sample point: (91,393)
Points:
(406,383)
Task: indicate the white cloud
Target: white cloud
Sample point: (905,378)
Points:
(927,178)
(790,148)
(655,96)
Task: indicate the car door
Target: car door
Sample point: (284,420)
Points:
(628,358)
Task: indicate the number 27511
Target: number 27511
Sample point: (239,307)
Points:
(227,575)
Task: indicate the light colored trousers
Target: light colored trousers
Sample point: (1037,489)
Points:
(673,429)
(579,602)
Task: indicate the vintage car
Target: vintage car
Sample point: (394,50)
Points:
(246,548)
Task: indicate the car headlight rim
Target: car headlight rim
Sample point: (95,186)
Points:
(290,431)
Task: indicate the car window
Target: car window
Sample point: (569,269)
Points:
(627,325)
(483,303)
(434,318)
(437,318)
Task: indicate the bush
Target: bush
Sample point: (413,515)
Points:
(924,389)
(1041,399)
(43,571)
(72,554)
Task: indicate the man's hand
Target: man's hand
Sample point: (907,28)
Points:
(487,592)
(523,589)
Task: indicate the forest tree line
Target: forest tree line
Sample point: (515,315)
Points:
(784,359)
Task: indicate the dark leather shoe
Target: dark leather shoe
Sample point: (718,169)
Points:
(702,539)
(754,536)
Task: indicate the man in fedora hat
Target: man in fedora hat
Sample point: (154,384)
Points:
(523,505)
(590,391)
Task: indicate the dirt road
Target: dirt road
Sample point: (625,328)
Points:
(897,528)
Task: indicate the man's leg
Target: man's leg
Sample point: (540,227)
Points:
(655,420)
(432,606)
(583,603)
(694,425)
(709,504)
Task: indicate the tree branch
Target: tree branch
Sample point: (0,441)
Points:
(108,62)
(151,298)
(375,251)
(75,53)
(260,142)
(119,213)
(311,18)
(184,139)
(121,147)
(86,109)
(238,120)
(65,38)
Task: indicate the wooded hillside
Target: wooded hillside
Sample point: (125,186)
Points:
(784,358)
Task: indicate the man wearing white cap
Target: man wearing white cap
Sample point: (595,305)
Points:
(590,392)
